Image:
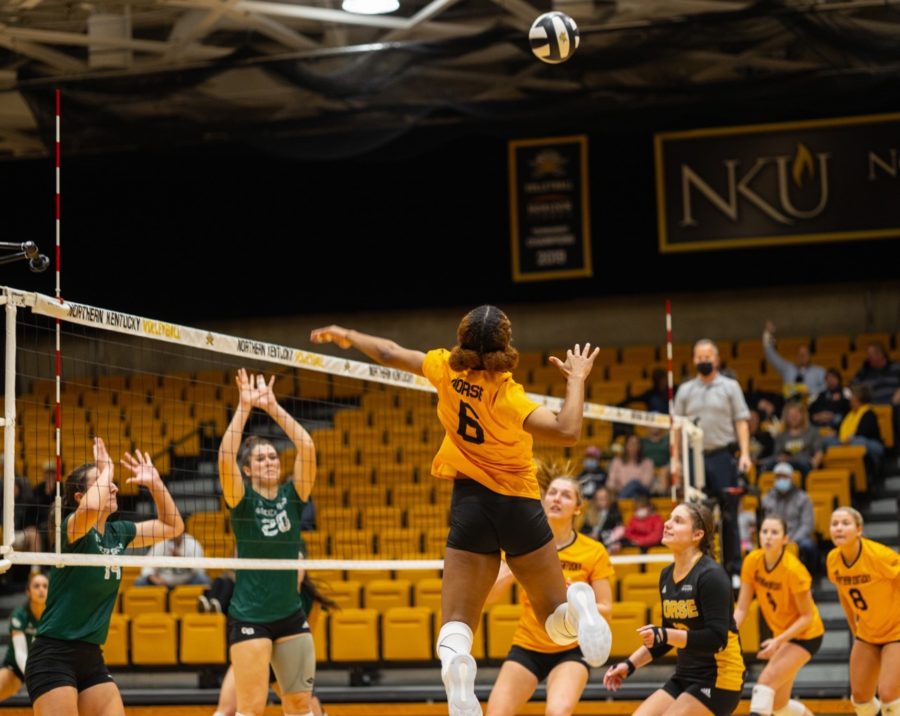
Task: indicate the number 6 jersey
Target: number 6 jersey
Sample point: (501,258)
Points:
(869,588)
(267,529)
(483,414)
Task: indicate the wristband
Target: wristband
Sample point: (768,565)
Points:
(660,636)
(631,667)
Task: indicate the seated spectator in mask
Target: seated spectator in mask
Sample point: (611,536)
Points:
(792,504)
(799,444)
(592,475)
(645,528)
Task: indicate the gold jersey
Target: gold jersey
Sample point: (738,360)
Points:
(775,590)
(483,415)
(870,588)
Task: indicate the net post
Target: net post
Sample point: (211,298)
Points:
(9,428)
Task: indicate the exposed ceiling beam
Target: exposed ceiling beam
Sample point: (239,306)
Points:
(57,60)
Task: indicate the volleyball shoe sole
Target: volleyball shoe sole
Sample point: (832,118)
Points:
(459,681)
(594,634)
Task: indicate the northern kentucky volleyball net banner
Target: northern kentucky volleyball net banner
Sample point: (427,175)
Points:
(169,393)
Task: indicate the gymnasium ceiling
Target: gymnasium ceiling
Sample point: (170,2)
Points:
(322,82)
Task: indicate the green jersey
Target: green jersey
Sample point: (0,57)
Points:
(24,621)
(267,529)
(81,599)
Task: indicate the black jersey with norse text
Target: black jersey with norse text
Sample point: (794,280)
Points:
(702,605)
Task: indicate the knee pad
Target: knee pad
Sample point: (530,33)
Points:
(762,699)
(791,708)
(891,709)
(869,708)
(294,664)
(454,638)
(558,627)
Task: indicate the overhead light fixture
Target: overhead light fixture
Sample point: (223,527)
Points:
(370,7)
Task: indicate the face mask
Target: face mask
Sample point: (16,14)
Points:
(705,368)
(641,513)
(590,464)
(783,484)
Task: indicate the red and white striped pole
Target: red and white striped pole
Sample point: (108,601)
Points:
(671,380)
(57,507)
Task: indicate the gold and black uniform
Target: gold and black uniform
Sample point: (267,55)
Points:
(710,666)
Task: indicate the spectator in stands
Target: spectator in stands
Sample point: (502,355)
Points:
(645,528)
(860,427)
(656,397)
(603,521)
(44,495)
(883,378)
(799,444)
(655,446)
(762,444)
(308,516)
(184,545)
(631,474)
(592,476)
(801,377)
(718,405)
(793,505)
(23,623)
(833,403)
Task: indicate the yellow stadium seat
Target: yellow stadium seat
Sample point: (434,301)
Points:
(639,355)
(203,639)
(641,588)
(398,541)
(316,543)
(656,567)
(427,593)
(328,497)
(364,576)
(409,495)
(623,569)
(627,618)
(608,392)
(414,576)
(436,539)
(327,577)
(183,598)
(750,349)
(832,344)
(347,593)
(350,476)
(365,438)
(144,600)
(426,516)
(337,518)
(884,413)
(626,372)
(407,634)
(864,340)
(394,476)
(750,629)
(153,640)
(380,517)
(443,492)
(205,527)
(346,387)
(384,594)
(502,622)
(222,546)
(835,480)
(352,544)
(115,650)
(354,635)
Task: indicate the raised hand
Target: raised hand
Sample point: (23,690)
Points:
(331,334)
(254,391)
(578,362)
(142,467)
(104,463)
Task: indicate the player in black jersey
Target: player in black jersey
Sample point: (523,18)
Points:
(697,620)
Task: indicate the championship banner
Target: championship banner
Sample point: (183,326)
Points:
(778,184)
(549,208)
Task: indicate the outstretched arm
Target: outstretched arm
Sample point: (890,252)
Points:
(168,523)
(95,498)
(304,475)
(229,471)
(381,350)
(565,427)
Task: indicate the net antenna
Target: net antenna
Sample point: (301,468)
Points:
(369,424)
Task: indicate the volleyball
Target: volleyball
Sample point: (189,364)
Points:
(554,37)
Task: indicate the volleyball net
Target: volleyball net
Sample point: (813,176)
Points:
(169,391)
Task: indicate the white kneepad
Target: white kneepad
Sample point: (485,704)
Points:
(891,709)
(869,708)
(762,699)
(791,708)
